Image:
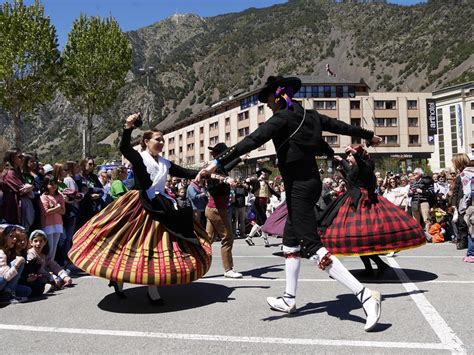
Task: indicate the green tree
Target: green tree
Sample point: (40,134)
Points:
(29,60)
(95,62)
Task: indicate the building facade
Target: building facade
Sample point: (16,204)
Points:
(454,112)
(400,118)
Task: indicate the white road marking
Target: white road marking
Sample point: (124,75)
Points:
(226,339)
(259,279)
(447,336)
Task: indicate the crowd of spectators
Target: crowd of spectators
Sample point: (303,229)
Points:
(43,205)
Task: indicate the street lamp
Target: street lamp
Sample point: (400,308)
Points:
(147,72)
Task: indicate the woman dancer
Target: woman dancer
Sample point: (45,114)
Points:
(143,238)
(361,223)
(297,136)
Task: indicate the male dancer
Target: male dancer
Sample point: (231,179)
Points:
(297,136)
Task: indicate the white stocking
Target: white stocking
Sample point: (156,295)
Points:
(153,293)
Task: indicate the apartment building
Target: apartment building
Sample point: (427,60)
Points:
(400,118)
(454,124)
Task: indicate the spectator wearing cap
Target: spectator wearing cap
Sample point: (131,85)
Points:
(218,222)
(48,169)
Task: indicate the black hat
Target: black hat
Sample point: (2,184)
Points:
(263,170)
(218,148)
(273,82)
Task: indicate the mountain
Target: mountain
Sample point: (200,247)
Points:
(198,61)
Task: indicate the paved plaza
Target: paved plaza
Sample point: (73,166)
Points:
(428,300)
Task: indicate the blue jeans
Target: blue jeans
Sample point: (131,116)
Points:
(470,245)
(12,286)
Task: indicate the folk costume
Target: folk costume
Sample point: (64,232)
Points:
(361,223)
(297,136)
(143,238)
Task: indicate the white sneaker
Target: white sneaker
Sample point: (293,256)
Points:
(17,299)
(372,308)
(281,305)
(48,288)
(232,274)
(391,254)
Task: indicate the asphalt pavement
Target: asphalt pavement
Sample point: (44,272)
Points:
(428,302)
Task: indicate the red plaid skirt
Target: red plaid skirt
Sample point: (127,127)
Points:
(124,243)
(373,228)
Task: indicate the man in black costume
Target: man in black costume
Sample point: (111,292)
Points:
(297,136)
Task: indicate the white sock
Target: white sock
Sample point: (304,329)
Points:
(153,293)
(292,270)
(339,273)
(120,286)
(254,230)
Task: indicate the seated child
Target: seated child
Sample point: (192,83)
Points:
(44,266)
(436,231)
(11,268)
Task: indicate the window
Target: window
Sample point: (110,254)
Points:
(243,132)
(379,122)
(331,140)
(391,122)
(190,160)
(261,110)
(213,126)
(227,121)
(201,143)
(324,105)
(355,105)
(180,149)
(318,105)
(190,134)
(190,146)
(412,121)
(201,130)
(356,140)
(472,105)
(171,141)
(412,104)
(248,101)
(327,91)
(389,140)
(201,157)
(227,136)
(243,116)
(385,105)
(213,140)
(413,139)
(356,122)
(180,138)
(171,152)
(385,122)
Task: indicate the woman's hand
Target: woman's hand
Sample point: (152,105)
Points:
(349,150)
(207,171)
(338,158)
(131,120)
(376,140)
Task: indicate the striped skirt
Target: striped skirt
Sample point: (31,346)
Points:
(124,243)
(373,228)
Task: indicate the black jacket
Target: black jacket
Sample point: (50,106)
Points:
(295,154)
(426,184)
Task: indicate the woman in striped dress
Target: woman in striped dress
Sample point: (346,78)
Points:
(144,238)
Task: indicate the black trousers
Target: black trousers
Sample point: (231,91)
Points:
(260,211)
(301,224)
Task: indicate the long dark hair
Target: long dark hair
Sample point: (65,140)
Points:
(9,156)
(4,233)
(147,135)
(48,179)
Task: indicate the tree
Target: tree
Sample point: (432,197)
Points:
(95,62)
(29,60)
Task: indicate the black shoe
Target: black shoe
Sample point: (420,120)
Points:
(120,294)
(158,302)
